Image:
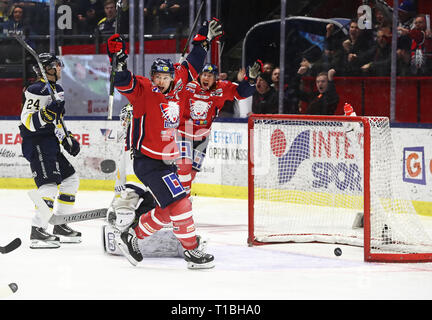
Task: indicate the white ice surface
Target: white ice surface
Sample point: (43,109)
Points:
(276,272)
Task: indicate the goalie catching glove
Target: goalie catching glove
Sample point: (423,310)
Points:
(116,45)
(73,149)
(208,31)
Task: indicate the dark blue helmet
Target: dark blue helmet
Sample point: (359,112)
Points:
(208,67)
(162,65)
(48,61)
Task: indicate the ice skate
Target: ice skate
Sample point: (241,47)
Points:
(128,244)
(66,234)
(202,243)
(40,239)
(198,259)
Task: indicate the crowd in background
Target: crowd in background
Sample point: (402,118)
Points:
(367,52)
(362,52)
(90,16)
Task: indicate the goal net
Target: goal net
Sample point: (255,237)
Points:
(331,179)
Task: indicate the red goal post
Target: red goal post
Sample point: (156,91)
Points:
(331,179)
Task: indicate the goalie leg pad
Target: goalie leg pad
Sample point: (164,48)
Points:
(162,244)
(109,234)
(124,209)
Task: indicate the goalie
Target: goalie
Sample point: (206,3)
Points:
(132,200)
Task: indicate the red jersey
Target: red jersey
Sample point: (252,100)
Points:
(156,116)
(202,107)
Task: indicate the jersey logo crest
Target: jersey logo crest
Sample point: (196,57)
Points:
(170,112)
(173,183)
(199,109)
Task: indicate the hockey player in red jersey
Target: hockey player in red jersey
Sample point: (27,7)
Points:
(157,104)
(205,97)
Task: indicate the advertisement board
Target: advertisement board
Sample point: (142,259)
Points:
(225,167)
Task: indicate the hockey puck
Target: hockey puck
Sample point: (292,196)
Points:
(13,287)
(337,252)
(108,166)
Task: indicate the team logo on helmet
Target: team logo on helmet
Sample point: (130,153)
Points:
(211,68)
(162,65)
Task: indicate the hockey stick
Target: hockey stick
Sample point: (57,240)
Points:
(79,216)
(11,246)
(50,89)
(192,30)
(46,212)
(6,290)
(113,63)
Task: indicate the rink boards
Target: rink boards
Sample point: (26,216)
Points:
(224,171)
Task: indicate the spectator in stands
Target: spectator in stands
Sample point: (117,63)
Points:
(15,22)
(106,25)
(406,14)
(4,10)
(332,56)
(275,78)
(358,43)
(96,5)
(268,66)
(11,51)
(421,46)
(324,101)
(378,58)
(170,16)
(265,100)
(380,20)
(404,57)
(88,15)
(290,99)
(88,22)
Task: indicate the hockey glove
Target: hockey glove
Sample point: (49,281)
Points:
(51,111)
(254,71)
(73,149)
(214,29)
(116,45)
(208,31)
